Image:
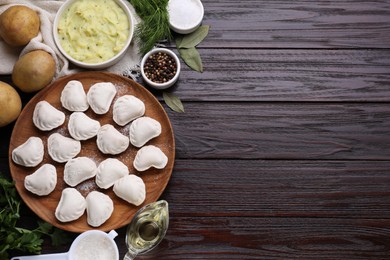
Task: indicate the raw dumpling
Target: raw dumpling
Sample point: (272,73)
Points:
(109,171)
(73,96)
(130,188)
(82,127)
(143,129)
(99,208)
(100,96)
(61,148)
(46,117)
(71,206)
(78,170)
(43,181)
(150,156)
(30,153)
(111,141)
(127,108)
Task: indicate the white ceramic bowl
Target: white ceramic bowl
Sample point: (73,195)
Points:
(106,63)
(168,83)
(185,15)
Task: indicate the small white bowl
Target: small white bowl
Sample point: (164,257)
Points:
(180,11)
(106,63)
(168,83)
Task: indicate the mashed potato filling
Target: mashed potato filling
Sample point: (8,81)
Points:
(93,31)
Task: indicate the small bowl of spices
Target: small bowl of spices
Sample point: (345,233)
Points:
(160,68)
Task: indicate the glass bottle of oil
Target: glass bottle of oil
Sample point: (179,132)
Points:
(147,228)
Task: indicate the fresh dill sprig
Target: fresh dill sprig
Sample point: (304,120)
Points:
(154,26)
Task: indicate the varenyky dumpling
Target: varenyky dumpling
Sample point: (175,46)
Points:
(143,129)
(82,127)
(150,156)
(78,170)
(73,96)
(46,117)
(130,188)
(61,148)
(71,206)
(99,208)
(111,141)
(127,108)
(43,181)
(100,97)
(30,153)
(109,171)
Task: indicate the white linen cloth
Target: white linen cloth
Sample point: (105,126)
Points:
(47,9)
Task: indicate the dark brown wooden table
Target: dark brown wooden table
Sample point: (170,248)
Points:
(283,151)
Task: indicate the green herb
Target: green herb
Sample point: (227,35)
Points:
(17,238)
(154,26)
(192,58)
(173,102)
(186,44)
(194,38)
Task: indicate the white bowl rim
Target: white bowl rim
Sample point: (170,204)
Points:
(172,80)
(92,232)
(192,27)
(105,63)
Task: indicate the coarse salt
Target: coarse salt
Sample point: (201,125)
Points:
(185,14)
(95,247)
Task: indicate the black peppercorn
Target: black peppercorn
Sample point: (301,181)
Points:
(160,67)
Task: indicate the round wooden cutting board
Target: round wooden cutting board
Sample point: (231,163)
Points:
(155,180)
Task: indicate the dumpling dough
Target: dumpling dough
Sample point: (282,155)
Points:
(73,96)
(43,181)
(30,153)
(143,129)
(99,208)
(130,188)
(46,117)
(78,170)
(150,156)
(100,97)
(111,141)
(61,148)
(82,127)
(71,206)
(127,108)
(109,171)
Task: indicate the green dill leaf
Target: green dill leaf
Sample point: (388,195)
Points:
(194,38)
(173,102)
(154,26)
(192,58)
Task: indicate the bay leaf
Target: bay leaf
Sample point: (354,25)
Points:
(192,58)
(178,40)
(194,38)
(173,102)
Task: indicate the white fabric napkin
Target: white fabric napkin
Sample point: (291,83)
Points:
(47,9)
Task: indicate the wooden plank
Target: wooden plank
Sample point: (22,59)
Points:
(288,75)
(271,238)
(297,24)
(279,131)
(257,188)
(282,131)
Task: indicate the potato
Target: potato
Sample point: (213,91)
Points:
(10,104)
(18,25)
(33,71)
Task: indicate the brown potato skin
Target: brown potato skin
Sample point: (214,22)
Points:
(18,25)
(10,104)
(33,71)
